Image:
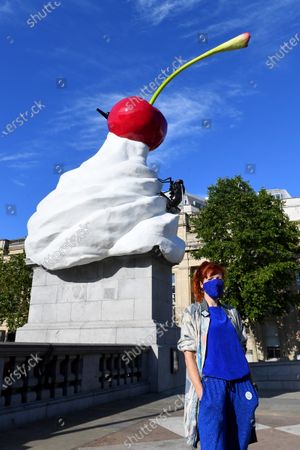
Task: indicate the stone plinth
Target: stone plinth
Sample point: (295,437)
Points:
(119,300)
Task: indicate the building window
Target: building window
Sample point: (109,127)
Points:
(271,339)
(273,352)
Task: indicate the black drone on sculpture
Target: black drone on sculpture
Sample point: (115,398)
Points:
(176,191)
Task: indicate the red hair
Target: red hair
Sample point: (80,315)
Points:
(205,270)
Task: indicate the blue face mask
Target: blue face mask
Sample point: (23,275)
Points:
(214,288)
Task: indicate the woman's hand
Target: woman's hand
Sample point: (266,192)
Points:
(190,361)
(200,394)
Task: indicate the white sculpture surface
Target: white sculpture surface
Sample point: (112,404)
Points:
(109,206)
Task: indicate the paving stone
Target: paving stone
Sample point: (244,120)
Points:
(107,426)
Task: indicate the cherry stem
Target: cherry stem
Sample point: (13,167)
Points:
(236,43)
(104,114)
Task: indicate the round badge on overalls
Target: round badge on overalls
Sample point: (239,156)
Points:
(248,395)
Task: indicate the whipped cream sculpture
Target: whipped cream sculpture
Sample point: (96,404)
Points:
(111,205)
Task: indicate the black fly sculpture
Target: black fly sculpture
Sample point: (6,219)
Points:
(175,194)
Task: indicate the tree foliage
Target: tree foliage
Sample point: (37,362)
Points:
(15,286)
(252,236)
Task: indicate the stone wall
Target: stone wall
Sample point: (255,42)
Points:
(277,376)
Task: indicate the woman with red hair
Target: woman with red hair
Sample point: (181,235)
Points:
(220,398)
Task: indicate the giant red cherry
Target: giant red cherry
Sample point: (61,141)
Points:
(134,118)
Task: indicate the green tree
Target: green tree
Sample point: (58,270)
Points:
(15,286)
(252,236)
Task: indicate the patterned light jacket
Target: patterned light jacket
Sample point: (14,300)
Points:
(195,322)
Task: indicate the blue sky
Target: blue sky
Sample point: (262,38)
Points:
(73,56)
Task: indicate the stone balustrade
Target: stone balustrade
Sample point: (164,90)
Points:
(47,380)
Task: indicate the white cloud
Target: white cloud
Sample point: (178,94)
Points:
(6,7)
(156,11)
(17,156)
(23,165)
(18,183)
(264,20)
(83,129)
(185,111)
(19,160)
(81,118)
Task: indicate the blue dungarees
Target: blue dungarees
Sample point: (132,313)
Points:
(229,400)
